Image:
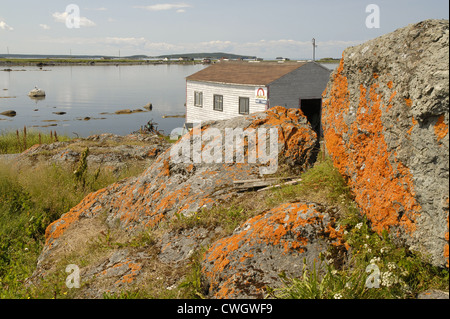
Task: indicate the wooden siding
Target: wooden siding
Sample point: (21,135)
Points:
(231,94)
(307,82)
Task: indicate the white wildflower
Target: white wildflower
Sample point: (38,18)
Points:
(374,260)
(388,279)
(338,296)
(392,266)
(359,225)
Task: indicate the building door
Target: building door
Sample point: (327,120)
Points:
(312,108)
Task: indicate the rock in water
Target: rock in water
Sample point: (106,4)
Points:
(385,118)
(9,113)
(36,93)
(125,111)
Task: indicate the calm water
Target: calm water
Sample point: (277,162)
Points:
(89,91)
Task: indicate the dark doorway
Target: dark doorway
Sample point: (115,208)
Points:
(312,108)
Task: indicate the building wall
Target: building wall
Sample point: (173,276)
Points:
(231,94)
(307,82)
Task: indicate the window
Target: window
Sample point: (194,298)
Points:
(244,105)
(218,102)
(198,98)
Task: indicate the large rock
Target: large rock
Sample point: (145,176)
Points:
(106,151)
(279,241)
(175,185)
(385,118)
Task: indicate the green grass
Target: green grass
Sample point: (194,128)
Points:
(12,142)
(402,274)
(377,269)
(322,184)
(30,199)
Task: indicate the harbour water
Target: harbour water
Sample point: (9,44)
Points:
(89,96)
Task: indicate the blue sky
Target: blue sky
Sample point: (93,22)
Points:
(263,28)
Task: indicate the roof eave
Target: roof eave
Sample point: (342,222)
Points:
(229,83)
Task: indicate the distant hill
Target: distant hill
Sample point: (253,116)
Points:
(214,55)
(53,56)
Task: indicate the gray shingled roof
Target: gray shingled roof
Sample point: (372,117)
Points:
(262,73)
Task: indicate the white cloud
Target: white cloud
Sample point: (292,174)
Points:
(124,41)
(96,9)
(44,26)
(62,17)
(4,26)
(180,7)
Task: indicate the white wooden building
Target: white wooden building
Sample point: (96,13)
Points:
(229,89)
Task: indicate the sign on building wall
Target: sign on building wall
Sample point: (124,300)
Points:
(261,95)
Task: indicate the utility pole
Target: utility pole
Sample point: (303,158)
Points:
(314,49)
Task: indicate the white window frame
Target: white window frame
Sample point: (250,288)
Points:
(243,98)
(218,101)
(198,98)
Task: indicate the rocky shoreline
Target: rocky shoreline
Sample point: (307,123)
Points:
(174,225)
(6,63)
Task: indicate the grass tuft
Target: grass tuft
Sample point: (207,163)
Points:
(13,142)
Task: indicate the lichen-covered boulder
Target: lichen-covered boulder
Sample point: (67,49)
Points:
(176,185)
(385,119)
(106,151)
(244,264)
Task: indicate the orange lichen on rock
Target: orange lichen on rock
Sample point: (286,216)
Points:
(383,208)
(414,123)
(334,125)
(58,227)
(390,84)
(440,128)
(134,269)
(166,170)
(365,158)
(287,231)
